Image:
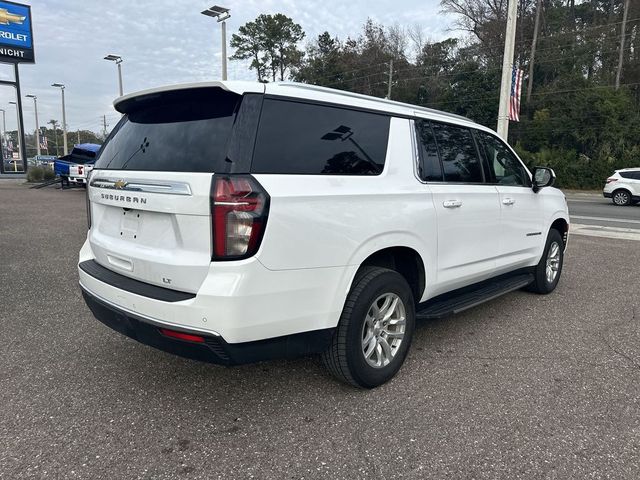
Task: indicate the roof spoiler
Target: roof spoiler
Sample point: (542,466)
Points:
(127,102)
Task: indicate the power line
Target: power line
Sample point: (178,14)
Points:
(546,93)
(544,61)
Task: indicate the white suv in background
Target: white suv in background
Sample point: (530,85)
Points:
(235,222)
(623,187)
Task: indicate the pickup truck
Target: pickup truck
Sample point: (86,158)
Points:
(71,168)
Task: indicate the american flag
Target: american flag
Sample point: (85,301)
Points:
(44,145)
(516,90)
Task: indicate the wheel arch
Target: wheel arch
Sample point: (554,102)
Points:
(621,189)
(404,260)
(562,226)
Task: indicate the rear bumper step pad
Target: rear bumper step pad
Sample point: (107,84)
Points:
(97,271)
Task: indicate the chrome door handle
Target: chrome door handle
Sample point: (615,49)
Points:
(452,203)
(508,201)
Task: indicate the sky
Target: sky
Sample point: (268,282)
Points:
(164,42)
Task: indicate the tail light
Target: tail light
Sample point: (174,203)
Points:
(239,209)
(611,180)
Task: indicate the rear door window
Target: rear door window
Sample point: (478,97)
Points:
(302,138)
(177,131)
(458,153)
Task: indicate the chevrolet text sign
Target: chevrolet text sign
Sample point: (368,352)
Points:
(16,36)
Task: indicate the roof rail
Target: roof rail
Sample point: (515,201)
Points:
(361,96)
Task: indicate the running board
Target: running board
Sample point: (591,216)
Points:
(464,298)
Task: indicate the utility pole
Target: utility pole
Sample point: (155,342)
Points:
(507,65)
(104,126)
(78,136)
(622,33)
(390,79)
(533,50)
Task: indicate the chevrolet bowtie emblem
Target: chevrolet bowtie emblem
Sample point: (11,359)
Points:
(6,17)
(119,184)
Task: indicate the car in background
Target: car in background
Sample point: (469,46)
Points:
(66,167)
(623,187)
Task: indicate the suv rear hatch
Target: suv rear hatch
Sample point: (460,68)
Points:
(150,190)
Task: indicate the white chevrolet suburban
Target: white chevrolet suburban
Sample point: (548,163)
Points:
(235,222)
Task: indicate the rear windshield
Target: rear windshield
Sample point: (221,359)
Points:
(83,153)
(178,131)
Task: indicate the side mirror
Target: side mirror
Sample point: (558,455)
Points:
(542,177)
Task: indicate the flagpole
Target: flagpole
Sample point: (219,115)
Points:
(507,65)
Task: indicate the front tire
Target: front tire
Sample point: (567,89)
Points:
(547,272)
(621,198)
(375,329)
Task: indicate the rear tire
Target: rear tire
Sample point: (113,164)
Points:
(621,198)
(375,329)
(547,272)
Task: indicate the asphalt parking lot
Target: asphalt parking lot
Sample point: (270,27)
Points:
(525,386)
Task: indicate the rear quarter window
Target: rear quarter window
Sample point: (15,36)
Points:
(630,175)
(302,138)
(430,167)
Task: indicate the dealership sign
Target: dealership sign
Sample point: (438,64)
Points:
(16,35)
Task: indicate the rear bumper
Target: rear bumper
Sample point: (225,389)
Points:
(241,301)
(214,349)
(607,194)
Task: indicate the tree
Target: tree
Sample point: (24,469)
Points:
(322,63)
(54,125)
(271,42)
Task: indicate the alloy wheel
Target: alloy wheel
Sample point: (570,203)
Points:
(553,262)
(621,198)
(383,330)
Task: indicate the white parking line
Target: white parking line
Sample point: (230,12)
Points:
(605,219)
(605,232)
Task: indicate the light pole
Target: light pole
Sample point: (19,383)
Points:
(4,134)
(35,107)
(221,14)
(118,60)
(15,165)
(64,116)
